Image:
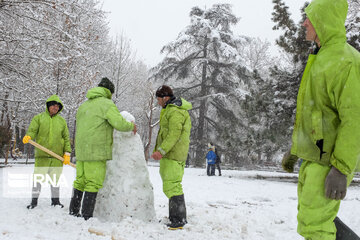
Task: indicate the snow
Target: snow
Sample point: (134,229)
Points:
(127,190)
(233,206)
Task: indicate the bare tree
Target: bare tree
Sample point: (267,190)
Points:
(256,54)
(151,124)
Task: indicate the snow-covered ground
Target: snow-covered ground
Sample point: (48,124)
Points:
(236,205)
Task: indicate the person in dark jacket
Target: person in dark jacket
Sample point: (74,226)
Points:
(218,161)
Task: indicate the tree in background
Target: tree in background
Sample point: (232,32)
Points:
(256,55)
(151,124)
(353,24)
(5,138)
(58,47)
(48,48)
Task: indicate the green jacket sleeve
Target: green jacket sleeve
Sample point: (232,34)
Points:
(156,143)
(66,137)
(347,99)
(115,119)
(33,127)
(176,121)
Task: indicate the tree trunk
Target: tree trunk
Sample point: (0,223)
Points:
(8,149)
(147,146)
(202,110)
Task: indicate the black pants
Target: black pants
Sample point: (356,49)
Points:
(211,169)
(218,168)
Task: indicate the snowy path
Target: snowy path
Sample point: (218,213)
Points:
(228,207)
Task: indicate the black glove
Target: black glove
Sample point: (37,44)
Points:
(335,184)
(288,162)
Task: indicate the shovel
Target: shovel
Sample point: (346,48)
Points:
(35,144)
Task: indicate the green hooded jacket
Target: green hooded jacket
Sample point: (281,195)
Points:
(96,119)
(50,132)
(173,138)
(327,125)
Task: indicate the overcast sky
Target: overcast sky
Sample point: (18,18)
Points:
(151,24)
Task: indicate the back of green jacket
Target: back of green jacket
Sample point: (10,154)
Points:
(173,138)
(327,128)
(50,132)
(95,122)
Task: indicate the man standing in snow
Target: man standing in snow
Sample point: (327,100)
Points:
(95,122)
(50,130)
(172,147)
(218,159)
(326,131)
(210,160)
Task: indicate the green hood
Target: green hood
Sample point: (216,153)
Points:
(328,18)
(180,103)
(98,92)
(50,132)
(186,105)
(54,98)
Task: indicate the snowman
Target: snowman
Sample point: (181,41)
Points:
(127,190)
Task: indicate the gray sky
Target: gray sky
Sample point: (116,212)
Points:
(151,24)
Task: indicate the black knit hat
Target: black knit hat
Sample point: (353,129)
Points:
(106,83)
(164,91)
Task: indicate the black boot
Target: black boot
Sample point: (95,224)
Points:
(33,203)
(75,202)
(343,232)
(55,194)
(34,196)
(177,212)
(88,205)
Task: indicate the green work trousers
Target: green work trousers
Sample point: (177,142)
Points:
(90,175)
(171,173)
(46,168)
(316,213)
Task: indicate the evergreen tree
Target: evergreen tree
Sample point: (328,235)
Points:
(203,63)
(286,79)
(353,24)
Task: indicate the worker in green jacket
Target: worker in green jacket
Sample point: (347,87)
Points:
(96,119)
(172,146)
(50,130)
(327,131)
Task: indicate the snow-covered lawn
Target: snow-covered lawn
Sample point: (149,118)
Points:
(233,206)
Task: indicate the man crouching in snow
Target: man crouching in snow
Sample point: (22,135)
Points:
(95,122)
(172,146)
(327,131)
